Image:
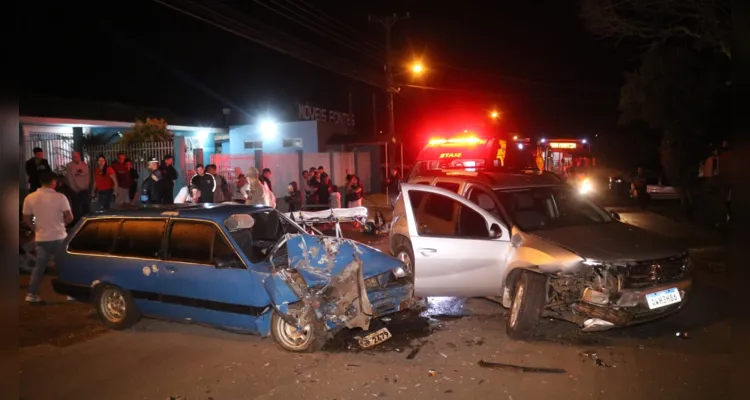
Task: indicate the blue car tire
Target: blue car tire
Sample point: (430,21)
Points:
(306,339)
(115,307)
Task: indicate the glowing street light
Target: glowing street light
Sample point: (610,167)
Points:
(268,128)
(417,68)
(495,115)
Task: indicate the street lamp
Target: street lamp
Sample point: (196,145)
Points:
(495,114)
(417,68)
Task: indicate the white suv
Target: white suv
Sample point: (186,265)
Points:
(539,247)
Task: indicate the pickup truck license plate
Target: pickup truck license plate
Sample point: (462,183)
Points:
(663,298)
(374,338)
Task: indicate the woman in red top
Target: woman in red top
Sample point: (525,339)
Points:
(105,181)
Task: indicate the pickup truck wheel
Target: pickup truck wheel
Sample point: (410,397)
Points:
(116,308)
(529,296)
(405,254)
(305,339)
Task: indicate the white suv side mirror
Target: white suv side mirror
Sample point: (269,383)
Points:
(496,231)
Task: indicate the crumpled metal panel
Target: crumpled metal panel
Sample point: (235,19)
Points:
(333,270)
(319,258)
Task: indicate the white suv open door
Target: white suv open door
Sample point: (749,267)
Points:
(459,248)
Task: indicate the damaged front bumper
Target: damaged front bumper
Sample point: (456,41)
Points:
(630,308)
(335,283)
(612,296)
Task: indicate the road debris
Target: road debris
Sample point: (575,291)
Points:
(519,368)
(595,358)
(682,335)
(431,373)
(415,350)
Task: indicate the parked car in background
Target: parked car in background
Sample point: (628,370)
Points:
(660,188)
(537,246)
(244,268)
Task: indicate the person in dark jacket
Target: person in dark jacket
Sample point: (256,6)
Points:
(168,177)
(294,198)
(393,184)
(206,183)
(324,190)
(34,167)
(133,178)
(150,193)
(266,177)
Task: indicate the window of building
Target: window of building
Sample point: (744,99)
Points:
(253,145)
(292,142)
(140,238)
(96,236)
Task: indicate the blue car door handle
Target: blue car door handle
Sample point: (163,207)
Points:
(170,268)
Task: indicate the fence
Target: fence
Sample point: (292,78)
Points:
(287,167)
(57,148)
(138,153)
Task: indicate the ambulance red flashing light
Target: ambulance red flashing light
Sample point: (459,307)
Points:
(457,141)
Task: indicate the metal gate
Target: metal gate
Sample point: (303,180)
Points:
(57,148)
(138,153)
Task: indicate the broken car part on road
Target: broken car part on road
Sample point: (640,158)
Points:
(519,368)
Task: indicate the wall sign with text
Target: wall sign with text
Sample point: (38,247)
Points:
(310,113)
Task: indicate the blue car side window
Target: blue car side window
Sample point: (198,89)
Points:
(141,238)
(95,237)
(197,243)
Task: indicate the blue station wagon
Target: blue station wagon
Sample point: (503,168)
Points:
(244,268)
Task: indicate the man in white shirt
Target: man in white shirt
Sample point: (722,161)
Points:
(51,212)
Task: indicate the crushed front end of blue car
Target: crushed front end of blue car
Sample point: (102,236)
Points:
(335,283)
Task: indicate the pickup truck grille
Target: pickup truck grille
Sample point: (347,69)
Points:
(644,274)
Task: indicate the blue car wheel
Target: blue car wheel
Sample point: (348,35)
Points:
(304,339)
(115,307)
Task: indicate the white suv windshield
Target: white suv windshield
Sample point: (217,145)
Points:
(550,208)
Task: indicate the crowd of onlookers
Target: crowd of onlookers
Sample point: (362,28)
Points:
(119,183)
(318,192)
(106,184)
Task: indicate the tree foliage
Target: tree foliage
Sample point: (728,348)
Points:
(152,130)
(683,93)
(704,23)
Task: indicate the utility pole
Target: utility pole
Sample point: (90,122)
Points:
(391,87)
(348,120)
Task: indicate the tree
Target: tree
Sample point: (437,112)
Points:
(681,86)
(684,94)
(153,130)
(704,23)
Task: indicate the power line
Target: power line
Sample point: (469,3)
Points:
(314,12)
(307,23)
(260,36)
(526,81)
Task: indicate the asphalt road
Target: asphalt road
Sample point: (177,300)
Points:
(157,359)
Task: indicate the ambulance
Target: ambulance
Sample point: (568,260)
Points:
(568,159)
(469,152)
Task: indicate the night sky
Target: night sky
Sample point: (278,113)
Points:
(532,59)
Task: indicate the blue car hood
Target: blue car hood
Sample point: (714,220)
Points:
(319,258)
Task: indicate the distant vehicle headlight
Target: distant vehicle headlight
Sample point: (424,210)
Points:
(586,186)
